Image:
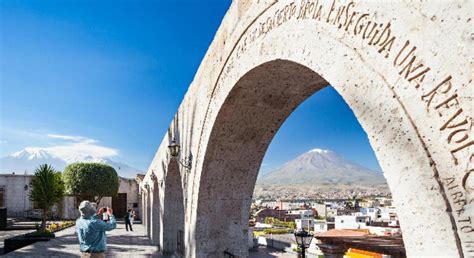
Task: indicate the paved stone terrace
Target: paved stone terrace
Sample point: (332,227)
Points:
(264,252)
(120,244)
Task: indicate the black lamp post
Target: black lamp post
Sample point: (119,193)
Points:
(303,240)
(174,152)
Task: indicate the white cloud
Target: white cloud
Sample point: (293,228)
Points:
(74,148)
(67,137)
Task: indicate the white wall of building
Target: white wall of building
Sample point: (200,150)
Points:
(302,213)
(17,190)
(16,194)
(322,226)
(371,212)
(304,223)
(384,231)
(351,222)
(130,187)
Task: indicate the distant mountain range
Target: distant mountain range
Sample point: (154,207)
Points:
(29,159)
(320,168)
(315,168)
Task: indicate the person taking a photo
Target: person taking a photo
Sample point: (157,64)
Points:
(91,230)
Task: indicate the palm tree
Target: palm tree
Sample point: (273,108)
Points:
(47,188)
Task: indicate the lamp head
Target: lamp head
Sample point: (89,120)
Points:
(174,148)
(303,238)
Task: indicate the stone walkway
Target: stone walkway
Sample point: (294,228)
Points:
(267,252)
(120,244)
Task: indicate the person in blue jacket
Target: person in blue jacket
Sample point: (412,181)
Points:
(91,230)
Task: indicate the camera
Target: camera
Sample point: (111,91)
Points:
(105,216)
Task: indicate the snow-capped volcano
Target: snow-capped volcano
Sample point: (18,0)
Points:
(32,154)
(28,159)
(321,167)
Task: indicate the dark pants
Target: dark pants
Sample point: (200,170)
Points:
(128,224)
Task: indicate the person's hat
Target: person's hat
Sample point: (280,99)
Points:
(86,209)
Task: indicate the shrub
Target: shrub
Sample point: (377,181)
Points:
(91,181)
(278,223)
(275,231)
(40,234)
(289,224)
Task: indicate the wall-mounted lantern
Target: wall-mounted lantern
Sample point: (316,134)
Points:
(153,177)
(174,153)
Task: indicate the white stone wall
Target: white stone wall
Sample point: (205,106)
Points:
(130,187)
(70,208)
(16,197)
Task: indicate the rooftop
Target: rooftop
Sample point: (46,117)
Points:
(390,245)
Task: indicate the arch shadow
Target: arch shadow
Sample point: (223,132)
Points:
(173,211)
(155,214)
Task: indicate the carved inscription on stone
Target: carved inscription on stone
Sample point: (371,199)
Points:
(440,97)
(437,92)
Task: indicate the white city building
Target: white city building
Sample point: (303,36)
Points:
(322,226)
(302,213)
(373,213)
(304,223)
(351,222)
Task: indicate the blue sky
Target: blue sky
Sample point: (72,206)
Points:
(109,76)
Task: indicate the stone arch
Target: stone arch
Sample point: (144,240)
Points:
(173,211)
(155,214)
(408,86)
(142,213)
(248,119)
(143,206)
(148,211)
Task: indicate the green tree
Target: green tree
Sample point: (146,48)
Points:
(91,181)
(47,188)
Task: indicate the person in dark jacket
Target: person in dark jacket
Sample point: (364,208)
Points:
(128,219)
